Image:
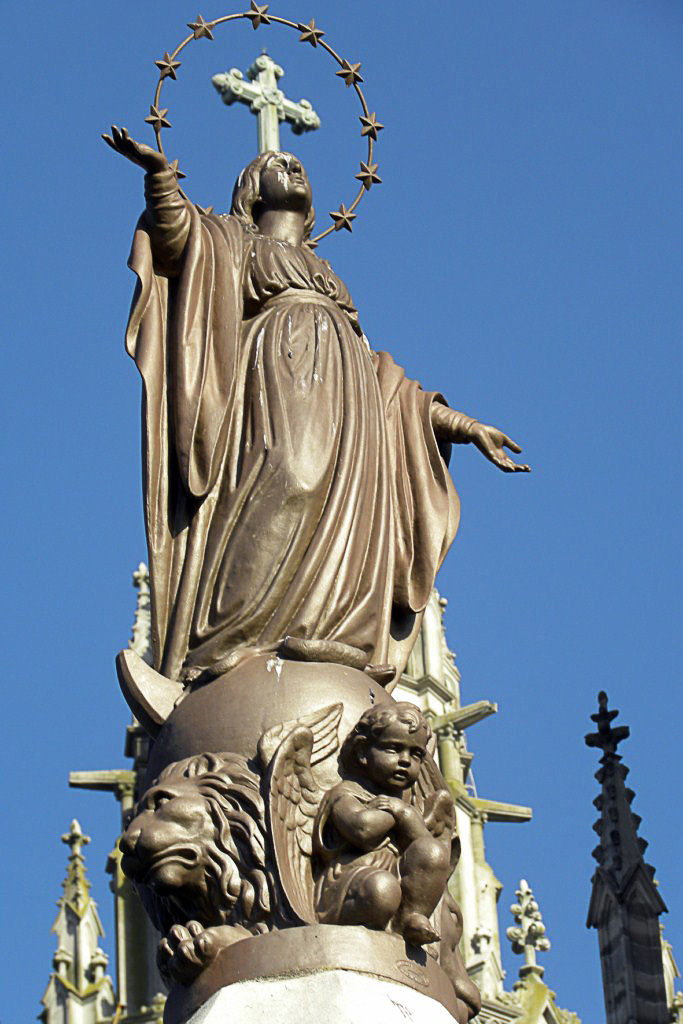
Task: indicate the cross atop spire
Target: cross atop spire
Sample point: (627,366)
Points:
(625,901)
(264,98)
(75,838)
(78,989)
(606,738)
(76,885)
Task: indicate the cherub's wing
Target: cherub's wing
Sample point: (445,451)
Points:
(433,800)
(293,799)
(324,725)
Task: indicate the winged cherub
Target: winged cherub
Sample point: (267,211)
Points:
(386,862)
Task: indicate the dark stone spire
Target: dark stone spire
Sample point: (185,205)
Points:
(625,902)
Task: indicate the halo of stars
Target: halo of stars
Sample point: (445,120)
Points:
(348,73)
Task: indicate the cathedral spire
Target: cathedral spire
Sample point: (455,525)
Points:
(78,988)
(625,901)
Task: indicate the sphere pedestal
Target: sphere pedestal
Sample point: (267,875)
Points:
(232,713)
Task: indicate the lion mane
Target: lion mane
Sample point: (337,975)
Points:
(239,885)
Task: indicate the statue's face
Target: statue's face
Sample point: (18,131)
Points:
(284,184)
(393,760)
(163,847)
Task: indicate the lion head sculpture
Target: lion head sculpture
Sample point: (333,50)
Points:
(196,848)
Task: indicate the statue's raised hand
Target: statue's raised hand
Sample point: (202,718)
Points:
(137,152)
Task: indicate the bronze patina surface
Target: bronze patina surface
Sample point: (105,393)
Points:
(296,482)
(298,506)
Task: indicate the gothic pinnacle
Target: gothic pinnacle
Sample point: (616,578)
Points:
(527,935)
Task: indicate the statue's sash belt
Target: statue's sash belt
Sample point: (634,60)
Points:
(304,295)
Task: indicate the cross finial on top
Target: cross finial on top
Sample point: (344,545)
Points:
(75,838)
(260,91)
(606,738)
(528,933)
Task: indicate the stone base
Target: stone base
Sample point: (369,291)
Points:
(330,997)
(307,956)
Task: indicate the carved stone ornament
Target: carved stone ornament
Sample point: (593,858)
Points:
(298,506)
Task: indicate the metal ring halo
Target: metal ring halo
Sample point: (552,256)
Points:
(258,15)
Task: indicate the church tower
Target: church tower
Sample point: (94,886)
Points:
(625,902)
(79,991)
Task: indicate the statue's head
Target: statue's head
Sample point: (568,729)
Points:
(273,181)
(388,746)
(196,846)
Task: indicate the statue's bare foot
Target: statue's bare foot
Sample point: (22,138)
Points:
(186,951)
(417,930)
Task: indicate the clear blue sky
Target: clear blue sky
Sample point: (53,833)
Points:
(523,255)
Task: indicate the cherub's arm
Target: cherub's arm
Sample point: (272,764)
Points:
(408,822)
(166,211)
(362,826)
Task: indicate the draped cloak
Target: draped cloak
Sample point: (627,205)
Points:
(293,484)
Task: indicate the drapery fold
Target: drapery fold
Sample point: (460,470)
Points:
(293,484)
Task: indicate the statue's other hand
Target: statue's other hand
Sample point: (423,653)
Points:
(137,152)
(491,442)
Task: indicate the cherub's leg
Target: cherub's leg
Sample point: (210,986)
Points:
(424,870)
(372,899)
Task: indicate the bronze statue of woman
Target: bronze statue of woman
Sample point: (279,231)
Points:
(297,496)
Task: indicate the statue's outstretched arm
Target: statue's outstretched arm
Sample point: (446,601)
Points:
(166,210)
(458,428)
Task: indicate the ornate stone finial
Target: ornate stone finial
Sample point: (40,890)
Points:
(606,738)
(142,623)
(76,885)
(79,988)
(75,838)
(677,1008)
(528,934)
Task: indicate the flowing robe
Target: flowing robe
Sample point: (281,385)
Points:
(293,483)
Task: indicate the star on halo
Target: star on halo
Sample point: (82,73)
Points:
(371,126)
(310,33)
(168,67)
(258,15)
(157,118)
(201,28)
(350,73)
(342,218)
(368,175)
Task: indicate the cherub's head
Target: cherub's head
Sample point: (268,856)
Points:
(274,181)
(388,746)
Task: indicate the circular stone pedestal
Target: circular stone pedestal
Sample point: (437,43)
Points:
(333,997)
(331,973)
